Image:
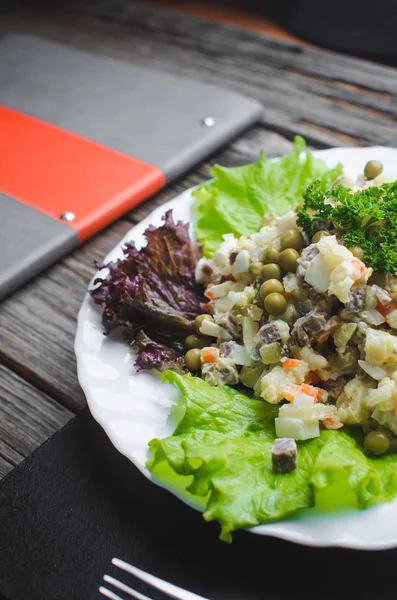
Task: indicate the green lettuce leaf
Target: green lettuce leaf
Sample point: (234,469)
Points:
(237,198)
(222,450)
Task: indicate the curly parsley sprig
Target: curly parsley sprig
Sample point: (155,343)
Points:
(366,218)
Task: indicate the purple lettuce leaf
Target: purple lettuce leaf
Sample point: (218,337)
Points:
(153,289)
(153,355)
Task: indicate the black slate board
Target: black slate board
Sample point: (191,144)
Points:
(76,502)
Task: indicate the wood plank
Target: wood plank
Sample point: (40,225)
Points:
(286,77)
(242,16)
(28,417)
(5,467)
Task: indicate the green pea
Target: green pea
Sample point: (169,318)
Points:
(270,255)
(271,286)
(292,239)
(289,260)
(250,375)
(393,445)
(271,271)
(192,360)
(318,235)
(275,304)
(197,341)
(377,442)
(199,320)
(372,169)
(255,269)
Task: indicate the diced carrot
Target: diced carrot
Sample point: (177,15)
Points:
(312,377)
(209,355)
(323,396)
(309,390)
(288,295)
(290,391)
(208,294)
(385,309)
(359,265)
(333,422)
(291,363)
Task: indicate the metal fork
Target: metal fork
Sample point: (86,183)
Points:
(172,591)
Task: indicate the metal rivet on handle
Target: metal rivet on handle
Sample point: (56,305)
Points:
(68,216)
(208,121)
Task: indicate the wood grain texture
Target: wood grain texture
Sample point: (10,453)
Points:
(329,98)
(27,418)
(223,12)
(278,73)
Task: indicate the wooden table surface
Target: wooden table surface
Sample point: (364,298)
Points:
(330,99)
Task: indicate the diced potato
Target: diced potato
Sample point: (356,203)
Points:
(210,328)
(372,317)
(341,284)
(384,395)
(296,428)
(223,305)
(392,319)
(302,399)
(307,413)
(203,271)
(250,330)
(287,221)
(220,290)
(333,252)
(387,418)
(299,370)
(375,372)
(371,297)
(242,262)
(380,347)
(221,258)
(283,330)
(352,404)
(242,298)
(318,274)
(239,354)
(246,244)
(273,383)
(314,359)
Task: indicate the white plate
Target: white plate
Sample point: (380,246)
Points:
(134,408)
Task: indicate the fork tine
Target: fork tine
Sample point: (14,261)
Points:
(125,588)
(109,594)
(168,588)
